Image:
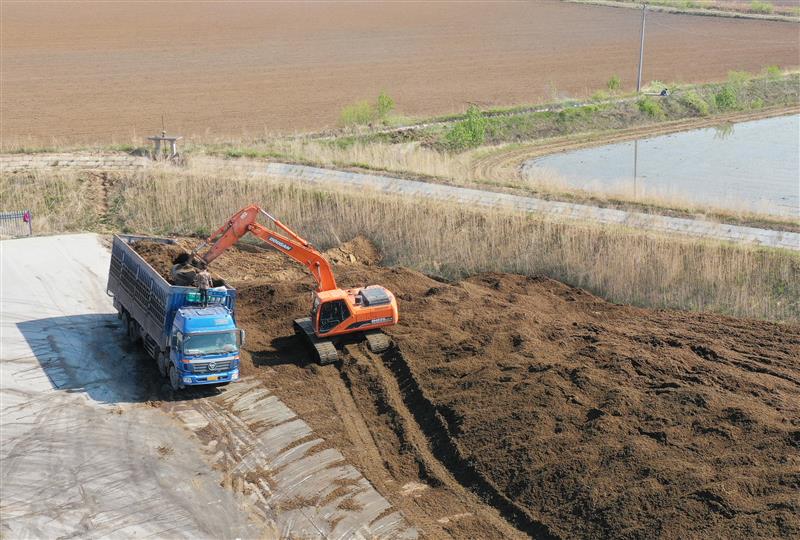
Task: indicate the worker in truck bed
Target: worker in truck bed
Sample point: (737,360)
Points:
(203,282)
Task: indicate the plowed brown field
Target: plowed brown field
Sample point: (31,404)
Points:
(566,415)
(95,71)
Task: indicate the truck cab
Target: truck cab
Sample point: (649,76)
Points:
(204,346)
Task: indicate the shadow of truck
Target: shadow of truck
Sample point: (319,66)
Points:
(91,354)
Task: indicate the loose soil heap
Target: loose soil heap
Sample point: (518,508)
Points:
(571,416)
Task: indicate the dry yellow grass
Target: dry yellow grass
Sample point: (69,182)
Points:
(59,200)
(450,240)
(445,239)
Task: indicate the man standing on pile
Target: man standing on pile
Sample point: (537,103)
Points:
(203,282)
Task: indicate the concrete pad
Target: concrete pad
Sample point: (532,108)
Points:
(80,455)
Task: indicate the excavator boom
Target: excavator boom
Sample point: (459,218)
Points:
(291,244)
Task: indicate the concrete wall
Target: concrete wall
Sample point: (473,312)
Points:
(23,162)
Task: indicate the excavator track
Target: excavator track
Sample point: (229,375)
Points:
(324,349)
(377,341)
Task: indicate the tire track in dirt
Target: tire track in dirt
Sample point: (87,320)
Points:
(397,394)
(506,163)
(370,457)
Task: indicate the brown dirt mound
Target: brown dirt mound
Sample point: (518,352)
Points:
(160,256)
(572,415)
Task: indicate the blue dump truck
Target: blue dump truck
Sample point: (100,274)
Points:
(191,344)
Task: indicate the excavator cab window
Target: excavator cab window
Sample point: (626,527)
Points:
(331,314)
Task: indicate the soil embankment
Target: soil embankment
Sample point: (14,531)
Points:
(568,415)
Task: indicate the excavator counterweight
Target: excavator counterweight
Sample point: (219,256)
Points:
(336,314)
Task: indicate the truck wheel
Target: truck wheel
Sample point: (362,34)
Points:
(133,332)
(125,321)
(161,361)
(174,378)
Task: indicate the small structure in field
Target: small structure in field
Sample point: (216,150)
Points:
(160,142)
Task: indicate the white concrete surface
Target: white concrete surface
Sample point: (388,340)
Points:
(553,209)
(92,444)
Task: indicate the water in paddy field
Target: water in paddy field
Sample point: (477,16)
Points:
(751,166)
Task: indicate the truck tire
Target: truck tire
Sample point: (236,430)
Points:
(161,362)
(133,332)
(174,378)
(125,318)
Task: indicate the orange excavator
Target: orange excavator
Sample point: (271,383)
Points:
(336,314)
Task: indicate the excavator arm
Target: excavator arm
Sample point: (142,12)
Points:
(291,244)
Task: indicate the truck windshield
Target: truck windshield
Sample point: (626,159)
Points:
(221,342)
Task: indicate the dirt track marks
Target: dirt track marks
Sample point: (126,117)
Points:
(356,427)
(391,394)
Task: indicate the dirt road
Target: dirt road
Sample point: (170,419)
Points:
(93,443)
(112,68)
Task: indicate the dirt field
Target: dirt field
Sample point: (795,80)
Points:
(568,416)
(78,72)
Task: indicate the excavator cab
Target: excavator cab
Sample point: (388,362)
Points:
(328,315)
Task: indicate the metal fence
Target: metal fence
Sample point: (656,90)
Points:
(16,223)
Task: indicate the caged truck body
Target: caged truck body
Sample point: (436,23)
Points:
(191,344)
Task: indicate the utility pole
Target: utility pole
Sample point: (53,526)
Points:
(641,50)
(635,165)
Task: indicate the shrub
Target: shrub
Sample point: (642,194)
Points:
(600,95)
(651,107)
(726,99)
(613,83)
(739,78)
(757,6)
(695,103)
(384,105)
(357,114)
(469,132)
(773,72)
(574,113)
(364,112)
